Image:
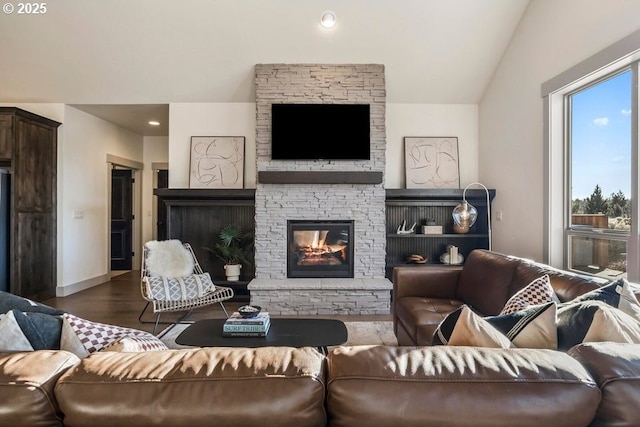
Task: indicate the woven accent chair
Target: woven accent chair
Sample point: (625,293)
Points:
(215,295)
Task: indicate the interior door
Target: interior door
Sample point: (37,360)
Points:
(121,219)
(163,182)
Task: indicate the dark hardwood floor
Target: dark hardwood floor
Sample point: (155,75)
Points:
(119,302)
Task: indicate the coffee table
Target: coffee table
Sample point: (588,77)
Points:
(289,332)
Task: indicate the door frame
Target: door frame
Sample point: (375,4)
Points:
(155,166)
(116,162)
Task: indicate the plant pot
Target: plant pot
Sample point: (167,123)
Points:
(233,272)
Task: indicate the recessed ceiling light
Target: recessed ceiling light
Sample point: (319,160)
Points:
(154,123)
(328,19)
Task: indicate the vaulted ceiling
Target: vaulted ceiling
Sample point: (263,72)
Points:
(161,51)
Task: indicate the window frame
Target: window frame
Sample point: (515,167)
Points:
(619,57)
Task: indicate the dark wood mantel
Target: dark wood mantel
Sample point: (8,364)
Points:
(204,194)
(320,177)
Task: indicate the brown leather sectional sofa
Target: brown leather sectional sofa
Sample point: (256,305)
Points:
(424,295)
(594,384)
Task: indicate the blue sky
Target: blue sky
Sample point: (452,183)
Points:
(601,138)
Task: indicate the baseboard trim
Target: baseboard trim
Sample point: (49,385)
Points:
(63,291)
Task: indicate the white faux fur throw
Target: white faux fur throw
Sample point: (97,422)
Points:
(168,258)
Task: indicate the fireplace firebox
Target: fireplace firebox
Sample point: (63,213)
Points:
(319,249)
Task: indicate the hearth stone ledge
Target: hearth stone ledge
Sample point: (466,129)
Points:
(363,296)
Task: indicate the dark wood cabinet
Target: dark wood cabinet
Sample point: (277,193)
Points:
(28,150)
(6,136)
(418,206)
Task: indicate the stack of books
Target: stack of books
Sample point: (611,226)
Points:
(238,326)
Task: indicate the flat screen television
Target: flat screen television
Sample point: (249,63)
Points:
(320,132)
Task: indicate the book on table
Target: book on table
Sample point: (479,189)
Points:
(246,330)
(236,325)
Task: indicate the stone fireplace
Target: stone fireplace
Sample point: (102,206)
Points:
(364,290)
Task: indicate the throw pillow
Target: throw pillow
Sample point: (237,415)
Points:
(136,344)
(617,294)
(539,291)
(463,327)
(168,258)
(595,321)
(11,336)
(10,301)
(83,337)
(533,327)
(42,330)
(179,288)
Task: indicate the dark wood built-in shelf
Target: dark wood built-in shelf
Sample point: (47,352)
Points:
(319,177)
(417,205)
(196,216)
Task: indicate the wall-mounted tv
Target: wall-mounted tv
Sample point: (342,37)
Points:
(320,132)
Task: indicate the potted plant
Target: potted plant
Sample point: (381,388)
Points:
(233,248)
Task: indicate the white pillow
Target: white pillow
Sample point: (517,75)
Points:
(136,344)
(11,336)
(168,258)
(83,337)
(539,291)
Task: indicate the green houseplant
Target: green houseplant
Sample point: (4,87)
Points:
(233,247)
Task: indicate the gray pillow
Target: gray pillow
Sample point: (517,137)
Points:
(10,302)
(42,330)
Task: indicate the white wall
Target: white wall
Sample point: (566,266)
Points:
(155,150)
(205,119)
(552,36)
(431,120)
(202,119)
(84,181)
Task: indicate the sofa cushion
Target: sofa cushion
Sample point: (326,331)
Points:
(566,285)
(617,294)
(458,387)
(532,327)
(595,321)
(463,327)
(11,336)
(251,387)
(27,380)
(485,281)
(419,317)
(539,291)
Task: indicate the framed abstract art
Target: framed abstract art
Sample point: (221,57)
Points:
(431,162)
(216,162)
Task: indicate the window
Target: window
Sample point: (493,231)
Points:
(591,164)
(599,186)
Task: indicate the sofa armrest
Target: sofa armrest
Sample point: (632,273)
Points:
(27,381)
(615,367)
(425,281)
